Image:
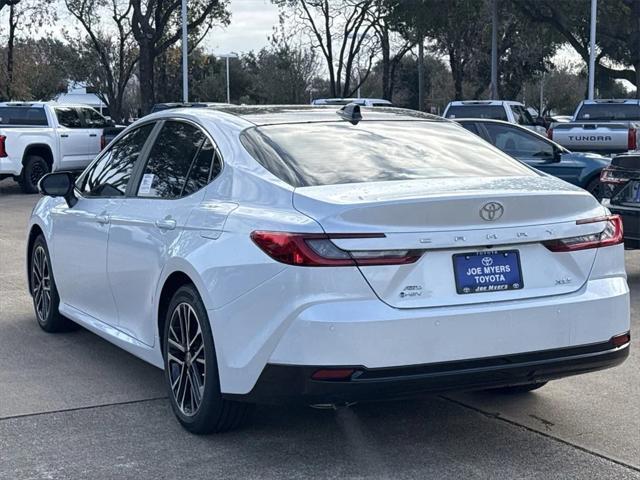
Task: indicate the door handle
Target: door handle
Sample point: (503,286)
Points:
(93,134)
(166,224)
(102,219)
(64,135)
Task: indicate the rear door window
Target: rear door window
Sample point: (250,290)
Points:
(23,116)
(180,162)
(518,143)
(68,117)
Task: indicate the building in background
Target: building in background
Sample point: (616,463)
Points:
(79,93)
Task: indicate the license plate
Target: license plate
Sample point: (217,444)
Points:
(493,271)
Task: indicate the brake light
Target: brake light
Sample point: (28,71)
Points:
(3,149)
(611,235)
(612,176)
(103,142)
(550,133)
(317,250)
(632,142)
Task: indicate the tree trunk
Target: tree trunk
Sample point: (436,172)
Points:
(421,75)
(456,74)
(147,80)
(10,47)
(386,65)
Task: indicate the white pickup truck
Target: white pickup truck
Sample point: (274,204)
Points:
(505,110)
(37,138)
(602,126)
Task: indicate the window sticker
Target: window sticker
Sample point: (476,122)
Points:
(145,185)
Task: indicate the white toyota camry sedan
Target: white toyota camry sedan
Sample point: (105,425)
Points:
(323,256)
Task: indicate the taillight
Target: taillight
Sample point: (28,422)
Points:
(632,142)
(613,176)
(3,149)
(611,235)
(317,250)
(550,133)
(103,142)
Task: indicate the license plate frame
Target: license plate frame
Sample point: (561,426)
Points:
(468,284)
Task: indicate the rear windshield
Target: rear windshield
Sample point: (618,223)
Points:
(26,116)
(494,112)
(609,111)
(331,153)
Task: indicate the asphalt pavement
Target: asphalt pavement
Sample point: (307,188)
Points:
(72,406)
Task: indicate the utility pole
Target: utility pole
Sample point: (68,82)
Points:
(421,74)
(592,49)
(541,109)
(227,56)
(494,49)
(185,54)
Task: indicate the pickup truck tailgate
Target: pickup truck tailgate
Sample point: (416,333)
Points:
(594,137)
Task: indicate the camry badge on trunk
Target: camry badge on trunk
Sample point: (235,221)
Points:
(491,211)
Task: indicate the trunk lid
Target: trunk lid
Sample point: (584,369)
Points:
(443,218)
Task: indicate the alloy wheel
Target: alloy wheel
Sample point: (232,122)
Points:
(37,172)
(186,359)
(41,283)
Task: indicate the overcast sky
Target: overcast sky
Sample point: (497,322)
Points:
(251,22)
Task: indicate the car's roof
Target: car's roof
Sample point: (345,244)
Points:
(459,103)
(282,114)
(487,120)
(611,100)
(43,104)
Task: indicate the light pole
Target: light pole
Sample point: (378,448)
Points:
(592,49)
(494,50)
(185,53)
(227,56)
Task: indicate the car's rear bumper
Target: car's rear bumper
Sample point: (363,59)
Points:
(294,384)
(10,166)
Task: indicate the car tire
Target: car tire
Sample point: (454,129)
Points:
(519,388)
(44,291)
(596,188)
(190,358)
(35,167)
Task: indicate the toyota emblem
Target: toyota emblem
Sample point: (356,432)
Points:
(491,211)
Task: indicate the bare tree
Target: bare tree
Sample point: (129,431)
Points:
(113,45)
(155,25)
(390,61)
(343,31)
(4,3)
(23,15)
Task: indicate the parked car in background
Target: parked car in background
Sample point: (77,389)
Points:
(37,138)
(364,102)
(289,254)
(507,111)
(623,179)
(158,107)
(603,126)
(581,169)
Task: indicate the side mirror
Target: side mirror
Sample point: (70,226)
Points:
(59,184)
(557,155)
